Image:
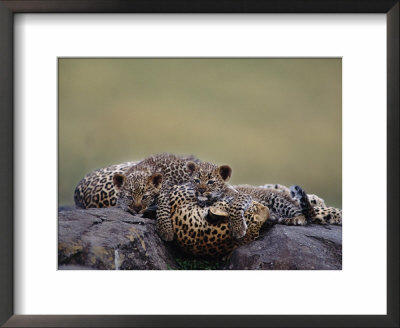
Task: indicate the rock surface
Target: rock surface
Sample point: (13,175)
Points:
(281,247)
(112,239)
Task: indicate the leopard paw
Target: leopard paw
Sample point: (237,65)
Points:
(166,235)
(297,220)
(165,230)
(238,229)
(336,219)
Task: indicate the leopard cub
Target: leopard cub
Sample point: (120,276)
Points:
(137,193)
(292,206)
(209,185)
(138,187)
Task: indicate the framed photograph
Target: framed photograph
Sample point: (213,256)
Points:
(233,119)
(285,94)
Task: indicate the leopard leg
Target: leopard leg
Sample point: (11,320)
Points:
(300,195)
(296,220)
(285,210)
(163,213)
(237,223)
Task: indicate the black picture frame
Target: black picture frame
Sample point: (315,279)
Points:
(10,7)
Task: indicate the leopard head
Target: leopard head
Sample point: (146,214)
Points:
(137,192)
(209,181)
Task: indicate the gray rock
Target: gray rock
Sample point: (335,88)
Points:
(110,239)
(66,208)
(281,247)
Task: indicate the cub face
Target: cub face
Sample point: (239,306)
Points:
(208,181)
(138,191)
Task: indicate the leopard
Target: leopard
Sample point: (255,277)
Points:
(320,213)
(139,187)
(210,184)
(138,195)
(134,186)
(97,190)
(293,206)
(283,208)
(314,199)
(203,230)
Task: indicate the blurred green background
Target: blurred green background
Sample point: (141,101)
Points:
(272,120)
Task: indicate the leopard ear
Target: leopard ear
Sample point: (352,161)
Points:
(225,172)
(156,179)
(119,180)
(191,167)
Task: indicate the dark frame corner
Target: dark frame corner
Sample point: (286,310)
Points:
(10,7)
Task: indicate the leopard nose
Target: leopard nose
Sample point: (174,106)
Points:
(137,208)
(201,190)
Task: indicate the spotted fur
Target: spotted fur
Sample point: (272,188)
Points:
(283,209)
(198,233)
(134,186)
(97,189)
(314,199)
(297,209)
(277,187)
(141,185)
(327,215)
(209,184)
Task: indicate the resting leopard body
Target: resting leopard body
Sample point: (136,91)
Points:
(292,205)
(209,184)
(96,189)
(133,186)
(314,199)
(194,228)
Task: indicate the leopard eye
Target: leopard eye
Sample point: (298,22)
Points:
(129,197)
(197,180)
(145,197)
(210,181)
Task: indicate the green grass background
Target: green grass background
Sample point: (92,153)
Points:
(272,120)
